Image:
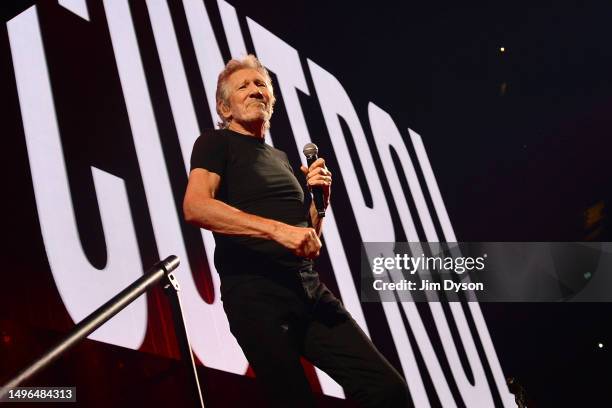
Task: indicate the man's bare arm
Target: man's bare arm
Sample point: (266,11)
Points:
(316,221)
(202,209)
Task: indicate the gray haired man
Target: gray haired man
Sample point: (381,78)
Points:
(246,193)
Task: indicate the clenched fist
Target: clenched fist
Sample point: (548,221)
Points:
(301,241)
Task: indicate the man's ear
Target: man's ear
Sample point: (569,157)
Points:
(224,110)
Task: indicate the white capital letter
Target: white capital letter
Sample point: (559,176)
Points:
(82,287)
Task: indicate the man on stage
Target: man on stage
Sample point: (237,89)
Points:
(245,192)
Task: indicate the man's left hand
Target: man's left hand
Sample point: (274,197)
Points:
(319,176)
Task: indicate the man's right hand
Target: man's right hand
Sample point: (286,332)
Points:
(301,241)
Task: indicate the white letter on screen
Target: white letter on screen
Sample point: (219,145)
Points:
(214,342)
(284,61)
(386,136)
(229,355)
(449,236)
(206,49)
(164,215)
(78,7)
(232,30)
(82,287)
(374,223)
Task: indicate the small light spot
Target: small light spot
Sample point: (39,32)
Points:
(600,345)
(502,49)
(587,275)
(6,339)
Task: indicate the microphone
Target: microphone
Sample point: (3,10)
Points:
(311,151)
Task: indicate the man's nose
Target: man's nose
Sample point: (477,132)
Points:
(256,92)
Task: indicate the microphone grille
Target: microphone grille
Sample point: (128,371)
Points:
(310,149)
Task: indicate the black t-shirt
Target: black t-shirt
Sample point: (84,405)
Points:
(258,179)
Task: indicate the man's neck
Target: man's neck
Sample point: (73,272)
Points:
(256,129)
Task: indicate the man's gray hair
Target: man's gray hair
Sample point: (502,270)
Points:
(223,93)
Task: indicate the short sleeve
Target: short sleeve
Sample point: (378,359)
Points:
(210,152)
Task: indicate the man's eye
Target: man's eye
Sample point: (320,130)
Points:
(242,86)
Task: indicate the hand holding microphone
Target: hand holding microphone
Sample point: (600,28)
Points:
(318,178)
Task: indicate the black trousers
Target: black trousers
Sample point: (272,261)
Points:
(275,325)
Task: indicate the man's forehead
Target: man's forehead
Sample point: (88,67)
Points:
(246,74)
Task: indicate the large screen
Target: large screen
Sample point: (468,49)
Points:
(104,101)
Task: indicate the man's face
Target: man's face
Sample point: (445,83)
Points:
(249,97)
